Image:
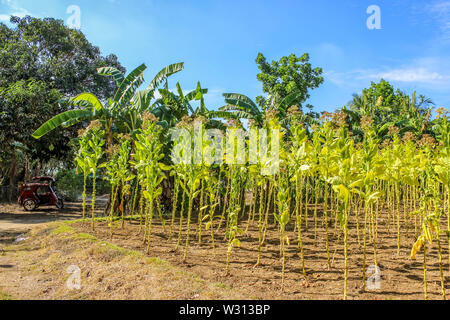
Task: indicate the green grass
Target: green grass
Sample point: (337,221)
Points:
(86,236)
(157,261)
(62,229)
(112,246)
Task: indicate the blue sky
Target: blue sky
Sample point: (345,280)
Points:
(219,41)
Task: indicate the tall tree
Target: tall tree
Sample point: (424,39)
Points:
(286,82)
(22,105)
(42,61)
(47,50)
(287,76)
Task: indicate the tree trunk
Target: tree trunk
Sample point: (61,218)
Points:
(27,169)
(37,170)
(12,176)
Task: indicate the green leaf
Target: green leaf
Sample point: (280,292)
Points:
(111,71)
(192,95)
(130,177)
(195,195)
(343,192)
(165,73)
(357,184)
(90,98)
(147,195)
(236,242)
(127,83)
(158,192)
(65,117)
(164,167)
(142,99)
(373,197)
(237,99)
(289,100)
(285,218)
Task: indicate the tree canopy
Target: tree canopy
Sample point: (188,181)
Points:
(41,62)
(289,75)
(47,50)
(387,107)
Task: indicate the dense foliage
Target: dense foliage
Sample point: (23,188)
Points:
(398,177)
(41,62)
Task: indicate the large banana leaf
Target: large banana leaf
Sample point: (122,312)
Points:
(129,93)
(288,101)
(233,108)
(233,115)
(65,118)
(191,95)
(91,99)
(168,96)
(384,128)
(241,100)
(142,99)
(180,92)
(113,72)
(354,115)
(165,73)
(128,81)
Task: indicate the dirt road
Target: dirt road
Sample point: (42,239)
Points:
(15,221)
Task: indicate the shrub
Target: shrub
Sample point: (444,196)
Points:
(68,184)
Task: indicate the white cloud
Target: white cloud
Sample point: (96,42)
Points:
(419,75)
(430,72)
(13,9)
(440,10)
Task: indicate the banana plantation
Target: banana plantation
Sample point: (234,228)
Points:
(349,177)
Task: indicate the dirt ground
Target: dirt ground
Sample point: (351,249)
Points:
(401,278)
(14,218)
(36,257)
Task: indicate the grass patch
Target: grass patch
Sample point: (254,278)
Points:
(112,246)
(86,236)
(223,286)
(134,253)
(62,229)
(157,261)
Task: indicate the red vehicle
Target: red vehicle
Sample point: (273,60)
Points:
(39,193)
